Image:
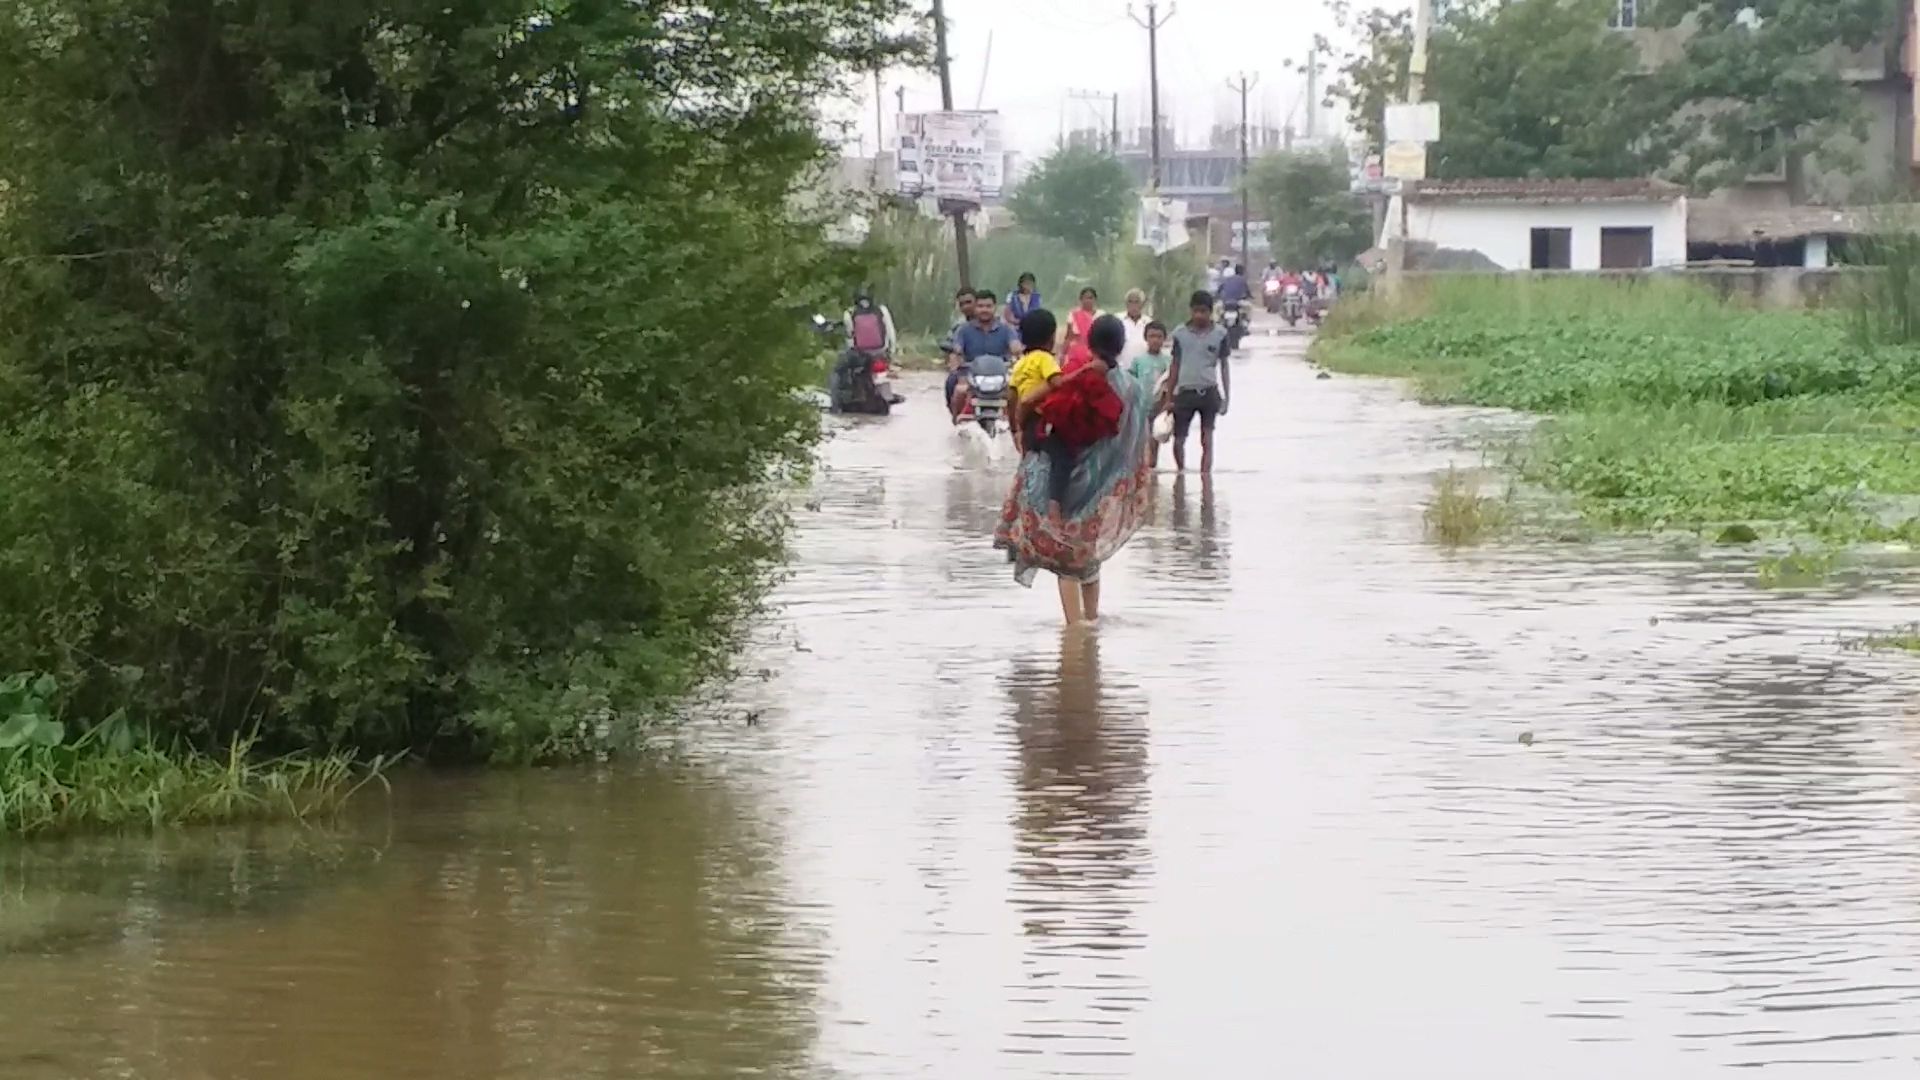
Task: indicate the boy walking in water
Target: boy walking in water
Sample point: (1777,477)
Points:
(1202,383)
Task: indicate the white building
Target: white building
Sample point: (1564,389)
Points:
(1546,224)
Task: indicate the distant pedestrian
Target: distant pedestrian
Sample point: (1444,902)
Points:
(1202,382)
(1135,320)
(1079,325)
(1024,298)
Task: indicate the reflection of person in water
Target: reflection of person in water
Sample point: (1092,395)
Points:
(1082,783)
(1192,550)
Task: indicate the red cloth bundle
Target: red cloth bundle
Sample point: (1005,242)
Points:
(1083,410)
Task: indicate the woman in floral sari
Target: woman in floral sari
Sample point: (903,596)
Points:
(1108,496)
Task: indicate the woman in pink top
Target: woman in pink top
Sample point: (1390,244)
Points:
(1079,325)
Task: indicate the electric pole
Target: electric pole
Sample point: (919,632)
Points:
(946,105)
(1111,99)
(1243,86)
(1313,92)
(879,126)
(1152,24)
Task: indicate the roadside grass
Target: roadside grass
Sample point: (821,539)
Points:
(1666,409)
(1903,639)
(1458,514)
(111,776)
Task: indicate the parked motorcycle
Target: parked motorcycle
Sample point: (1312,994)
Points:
(988,384)
(861,382)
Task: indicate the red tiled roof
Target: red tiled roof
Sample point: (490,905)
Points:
(1535,191)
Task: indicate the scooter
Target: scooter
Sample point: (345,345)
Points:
(861,382)
(987,401)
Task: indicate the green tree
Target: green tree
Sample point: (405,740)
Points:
(1540,88)
(363,383)
(1544,88)
(1314,217)
(1374,74)
(1079,196)
(1759,82)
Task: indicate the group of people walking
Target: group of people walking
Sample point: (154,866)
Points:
(1087,394)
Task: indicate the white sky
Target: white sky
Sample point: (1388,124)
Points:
(1041,49)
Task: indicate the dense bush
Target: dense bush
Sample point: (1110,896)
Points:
(381,374)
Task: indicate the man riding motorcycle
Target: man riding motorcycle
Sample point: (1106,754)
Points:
(861,377)
(986,335)
(1235,299)
(1271,284)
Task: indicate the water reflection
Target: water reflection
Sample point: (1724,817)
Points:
(569,924)
(1191,543)
(1080,834)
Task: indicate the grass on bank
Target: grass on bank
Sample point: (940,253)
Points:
(1668,408)
(1458,515)
(53,780)
(1904,639)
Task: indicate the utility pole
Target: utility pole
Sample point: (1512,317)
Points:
(1313,92)
(1113,100)
(1244,85)
(1152,24)
(879,126)
(946,104)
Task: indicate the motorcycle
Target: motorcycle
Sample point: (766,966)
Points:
(1293,304)
(1234,317)
(861,382)
(1271,287)
(987,403)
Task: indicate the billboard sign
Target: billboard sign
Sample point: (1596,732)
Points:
(957,157)
(1416,123)
(1162,225)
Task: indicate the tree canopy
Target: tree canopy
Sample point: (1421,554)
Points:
(361,385)
(1312,215)
(1080,196)
(1546,88)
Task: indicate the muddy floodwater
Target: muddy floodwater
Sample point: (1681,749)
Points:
(1276,818)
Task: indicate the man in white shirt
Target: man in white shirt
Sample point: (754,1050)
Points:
(1135,320)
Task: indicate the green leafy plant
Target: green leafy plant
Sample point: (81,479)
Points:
(407,376)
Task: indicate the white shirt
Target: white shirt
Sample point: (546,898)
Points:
(1136,336)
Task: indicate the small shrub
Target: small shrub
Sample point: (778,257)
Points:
(1458,514)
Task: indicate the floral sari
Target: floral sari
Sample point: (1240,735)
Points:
(1109,495)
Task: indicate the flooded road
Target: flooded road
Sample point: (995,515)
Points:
(1276,818)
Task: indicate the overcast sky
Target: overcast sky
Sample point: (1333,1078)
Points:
(1041,49)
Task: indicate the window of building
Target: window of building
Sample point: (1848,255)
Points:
(1626,249)
(1552,249)
(1626,14)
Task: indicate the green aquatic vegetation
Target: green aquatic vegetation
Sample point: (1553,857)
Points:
(1797,569)
(1458,514)
(1669,409)
(1903,639)
(56,777)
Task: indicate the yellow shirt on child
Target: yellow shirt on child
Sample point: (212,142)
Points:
(1032,372)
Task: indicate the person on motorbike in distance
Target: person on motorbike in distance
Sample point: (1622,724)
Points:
(986,335)
(1217,275)
(963,314)
(1234,289)
(870,326)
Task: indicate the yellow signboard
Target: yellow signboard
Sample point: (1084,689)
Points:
(1408,160)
